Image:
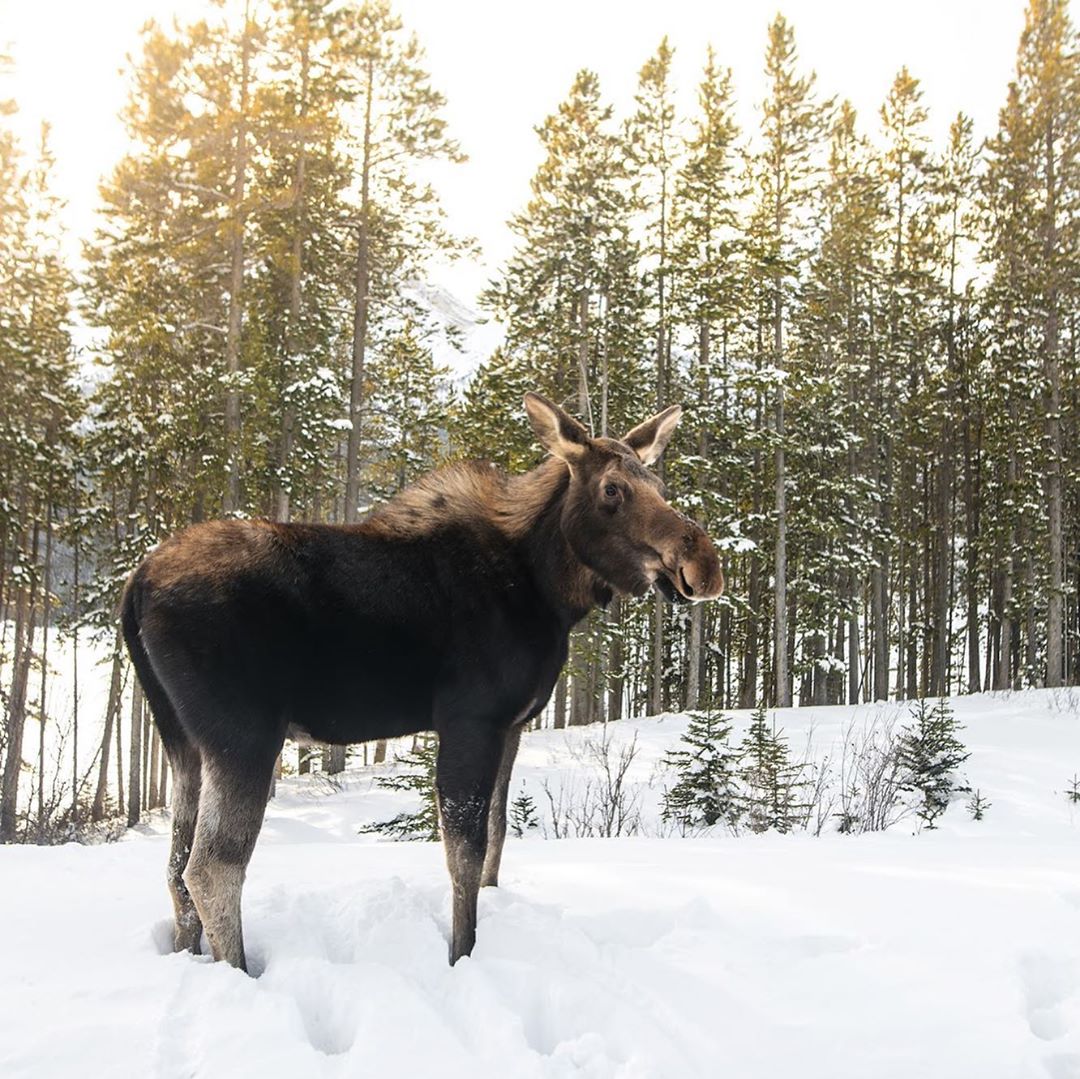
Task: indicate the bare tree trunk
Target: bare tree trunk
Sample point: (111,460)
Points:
(154,778)
(616,659)
(46,600)
(112,712)
(360,313)
(695,656)
(971,530)
(656,682)
(559,720)
(135,755)
(25,625)
(75,676)
(780,628)
(748,688)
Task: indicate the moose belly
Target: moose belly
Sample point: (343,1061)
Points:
(373,682)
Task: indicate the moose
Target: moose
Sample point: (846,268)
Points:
(447,609)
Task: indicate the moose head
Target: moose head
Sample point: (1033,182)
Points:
(615,517)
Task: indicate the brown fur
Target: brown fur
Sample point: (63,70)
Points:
(470,492)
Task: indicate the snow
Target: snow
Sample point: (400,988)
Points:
(464,338)
(949,953)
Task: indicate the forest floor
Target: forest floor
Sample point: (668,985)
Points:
(946,953)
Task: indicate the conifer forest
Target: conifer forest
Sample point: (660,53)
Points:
(874,334)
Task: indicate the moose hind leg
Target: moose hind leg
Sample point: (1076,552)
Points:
(187,773)
(231,810)
(497,814)
(468,764)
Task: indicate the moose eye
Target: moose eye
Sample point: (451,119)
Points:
(611,490)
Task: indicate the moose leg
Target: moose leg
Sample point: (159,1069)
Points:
(231,810)
(497,814)
(187,773)
(468,764)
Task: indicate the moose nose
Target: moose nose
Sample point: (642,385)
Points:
(700,575)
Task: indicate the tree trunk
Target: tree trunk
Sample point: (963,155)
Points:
(112,711)
(559,719)
(616,659)
(231,502)
(780,627)
(46,600)
(360,313)
(135,755)
(25,625)
(334,758)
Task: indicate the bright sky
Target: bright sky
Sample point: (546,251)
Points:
(504,65)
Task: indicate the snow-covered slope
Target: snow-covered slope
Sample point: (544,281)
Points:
(951,953)
(463,339)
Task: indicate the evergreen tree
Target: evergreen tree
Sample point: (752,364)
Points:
(706,791)
(419,779)
(786,172)
(397,217)
(523,816)
(772,783)
(930,751)
(37,440)
(707,269)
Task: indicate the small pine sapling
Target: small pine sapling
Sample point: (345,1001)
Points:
(523,816)
(706,769)
(418,777)
(978,805)
(930,752)
(772,782)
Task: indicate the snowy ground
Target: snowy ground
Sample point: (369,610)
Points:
(952,953)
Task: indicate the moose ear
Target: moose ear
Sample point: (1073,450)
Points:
(560,434)
(649,439)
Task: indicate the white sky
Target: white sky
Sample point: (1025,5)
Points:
(504,65)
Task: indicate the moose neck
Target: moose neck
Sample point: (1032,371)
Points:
(569,586)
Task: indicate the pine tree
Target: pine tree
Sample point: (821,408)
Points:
(771,781)
(408,410)
(706,791)
(930,752)
(523,816)
(793,123)
(37,443)
(834,514)
(707,270)
(419,779)
(397,217)
(572,302)
(978,805)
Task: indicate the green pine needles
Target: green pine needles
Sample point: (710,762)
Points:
(706,791)
(418,777)
(754,785)
(773,782)
(930,752)
(523,816)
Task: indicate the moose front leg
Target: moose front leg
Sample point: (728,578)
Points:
(497,814)
(468,764)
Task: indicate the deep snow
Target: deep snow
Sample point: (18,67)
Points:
(951,953)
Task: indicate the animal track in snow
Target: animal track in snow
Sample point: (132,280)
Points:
(1048,983)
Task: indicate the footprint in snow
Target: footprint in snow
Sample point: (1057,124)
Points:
(1048,983)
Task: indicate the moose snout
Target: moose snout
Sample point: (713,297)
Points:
(698,573)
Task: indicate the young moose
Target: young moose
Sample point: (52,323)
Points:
(448,609)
